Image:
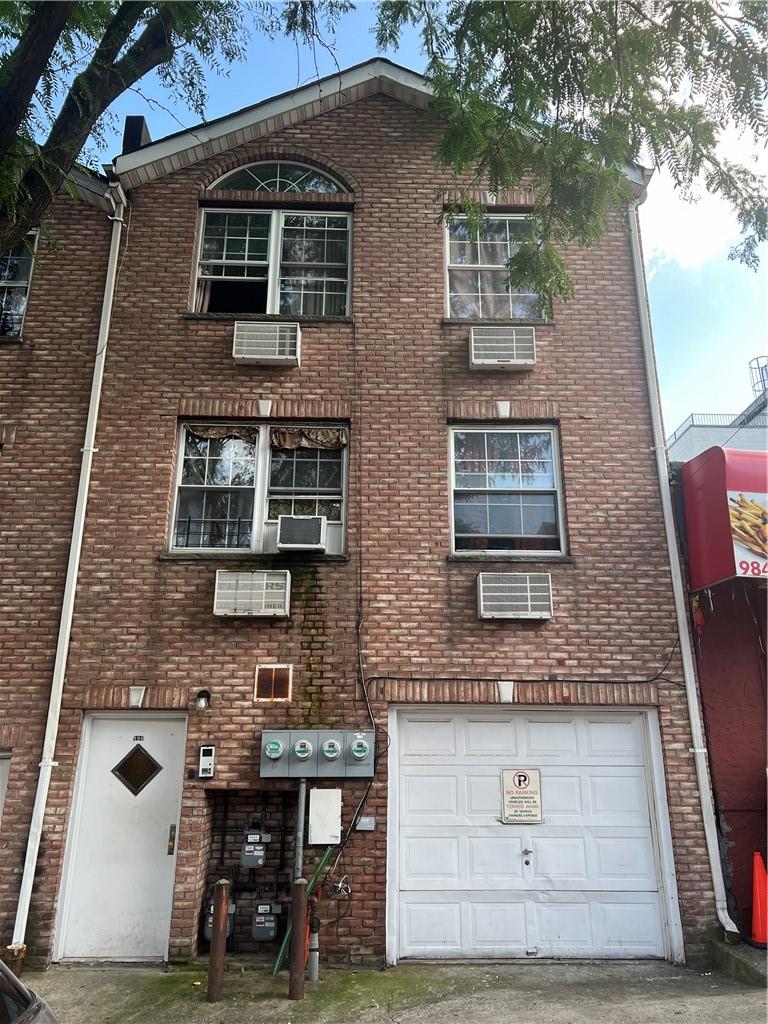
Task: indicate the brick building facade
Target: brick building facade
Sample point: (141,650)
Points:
(393,615)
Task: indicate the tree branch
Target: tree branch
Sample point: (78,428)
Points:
(23,67)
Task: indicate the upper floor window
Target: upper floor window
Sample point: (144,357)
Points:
(235,480)
(478,284)
(274,261)
(15,275)
(277,177)
(507,495)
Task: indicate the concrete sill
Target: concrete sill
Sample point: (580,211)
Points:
(284,559)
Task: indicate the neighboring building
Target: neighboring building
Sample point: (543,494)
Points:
(434,478)
(747,430)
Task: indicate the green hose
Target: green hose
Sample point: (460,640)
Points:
(310,887)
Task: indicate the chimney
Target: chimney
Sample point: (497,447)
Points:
(135,133)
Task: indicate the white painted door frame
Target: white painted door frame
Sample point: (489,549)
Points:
(76,807)
(659,812)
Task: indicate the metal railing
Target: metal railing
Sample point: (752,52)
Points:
(714,419)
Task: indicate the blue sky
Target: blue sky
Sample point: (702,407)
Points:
(709,314)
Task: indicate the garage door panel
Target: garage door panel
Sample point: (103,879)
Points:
(615,737)
(430,860)
(590,887)
(428,737)
(495,925)
(488,738)
(428,796)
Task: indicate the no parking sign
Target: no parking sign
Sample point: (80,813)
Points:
(520,795)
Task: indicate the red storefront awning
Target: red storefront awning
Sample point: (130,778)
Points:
(725,493)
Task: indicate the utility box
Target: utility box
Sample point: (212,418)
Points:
(324,817)
(264,922)
(208,926)
(317,753)
(253,852)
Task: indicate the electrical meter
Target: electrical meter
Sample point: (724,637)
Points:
(253,852)
(359,748)
(274,749)
(331,749)
(303,750)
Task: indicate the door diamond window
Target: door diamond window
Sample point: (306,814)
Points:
(137,769)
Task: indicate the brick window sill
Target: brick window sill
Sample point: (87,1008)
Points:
(469,322)
(268,318)
(286,560)
(514,559)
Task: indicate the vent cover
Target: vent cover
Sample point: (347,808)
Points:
(301,533)
(273,682)
(274,344)
(514,595)
(252,593)
(511,348)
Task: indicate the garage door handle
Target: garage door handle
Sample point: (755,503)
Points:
(171,840)
(526,853)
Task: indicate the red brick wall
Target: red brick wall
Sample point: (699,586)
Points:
(399,372)
(44,386)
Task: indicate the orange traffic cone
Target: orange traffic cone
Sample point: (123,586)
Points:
(759,902)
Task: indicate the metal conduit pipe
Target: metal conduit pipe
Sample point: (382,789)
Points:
(699,750)
(47,764)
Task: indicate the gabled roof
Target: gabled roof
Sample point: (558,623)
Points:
(204,140)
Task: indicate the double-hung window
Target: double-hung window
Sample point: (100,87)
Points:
(507,495)
(15,276)
(478,278)
(234,481)
(290,262)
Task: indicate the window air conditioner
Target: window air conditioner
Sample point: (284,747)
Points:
(262,593)
(508,348)
(514,595)
(301,533)
(273,344)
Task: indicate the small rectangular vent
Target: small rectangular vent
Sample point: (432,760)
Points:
(301,533)
(514,595)
(262,593)
(510,348)
(273,682)
(273,344)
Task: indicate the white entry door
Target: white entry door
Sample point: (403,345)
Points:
(583,882)
(121,856)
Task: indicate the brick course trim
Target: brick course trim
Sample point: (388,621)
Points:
(487,691)
(497,410)
(234,409)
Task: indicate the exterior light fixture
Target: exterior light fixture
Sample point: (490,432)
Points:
(203,700)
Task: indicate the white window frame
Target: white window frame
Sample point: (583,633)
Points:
(260,493)
(32,238)
(274,251)
(511,554)
(216,185)
(448,267)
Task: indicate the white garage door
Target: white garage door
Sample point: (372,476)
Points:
(584,882)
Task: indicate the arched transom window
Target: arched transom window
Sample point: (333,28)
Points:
(277,177)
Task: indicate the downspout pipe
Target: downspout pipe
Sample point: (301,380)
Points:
(699,749)
(47,764)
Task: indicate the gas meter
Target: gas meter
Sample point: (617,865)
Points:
(264,922)
(253,852)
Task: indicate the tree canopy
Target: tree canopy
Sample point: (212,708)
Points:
(561,96)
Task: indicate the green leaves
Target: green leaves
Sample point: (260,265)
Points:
(563,97)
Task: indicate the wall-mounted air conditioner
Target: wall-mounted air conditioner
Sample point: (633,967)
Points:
(273,344)
(301,533)
(262,593)
(502,348)
(514,595)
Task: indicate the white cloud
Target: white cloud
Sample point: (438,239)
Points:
(691,233)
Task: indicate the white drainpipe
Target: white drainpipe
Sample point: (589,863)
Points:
(698,749)
(118,200)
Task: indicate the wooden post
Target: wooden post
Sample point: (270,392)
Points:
(298,939)
(218,940)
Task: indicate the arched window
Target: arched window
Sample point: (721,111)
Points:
(277,176)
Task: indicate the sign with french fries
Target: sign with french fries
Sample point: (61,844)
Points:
(748,512)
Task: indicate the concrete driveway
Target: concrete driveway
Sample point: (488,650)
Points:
(634,992)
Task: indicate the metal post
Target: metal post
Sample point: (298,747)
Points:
(313,964)
(298,933)
(218,940)
(298,861)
